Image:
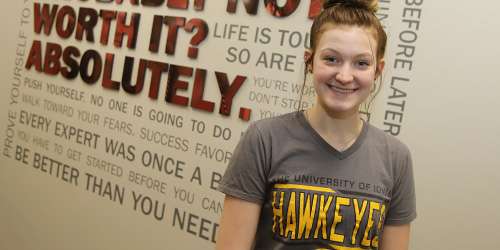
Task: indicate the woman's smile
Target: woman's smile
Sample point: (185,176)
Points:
(341,90)
(344,68)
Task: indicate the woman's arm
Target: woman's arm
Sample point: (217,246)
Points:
(238,224)
(395,237)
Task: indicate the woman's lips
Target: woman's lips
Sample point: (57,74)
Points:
(344,91)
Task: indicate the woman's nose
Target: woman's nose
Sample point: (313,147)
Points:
(344,76)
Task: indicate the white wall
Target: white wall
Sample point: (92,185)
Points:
(448,122)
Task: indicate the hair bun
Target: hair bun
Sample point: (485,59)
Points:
(368,5)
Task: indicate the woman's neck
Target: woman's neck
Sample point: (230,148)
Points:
(340,130)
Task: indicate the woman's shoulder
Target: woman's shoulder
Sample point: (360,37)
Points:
(380,136)
(277,122)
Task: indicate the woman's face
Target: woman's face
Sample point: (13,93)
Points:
(344,68)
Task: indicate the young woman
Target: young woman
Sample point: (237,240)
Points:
(323,178)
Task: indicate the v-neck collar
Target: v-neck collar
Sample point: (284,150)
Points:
(325,145)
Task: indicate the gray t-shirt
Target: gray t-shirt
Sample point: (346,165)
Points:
(315,197)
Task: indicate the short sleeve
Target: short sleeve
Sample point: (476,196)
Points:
(246,175)
(402,209)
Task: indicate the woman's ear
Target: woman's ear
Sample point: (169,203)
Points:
(380,68)
(307,55)
(308,59)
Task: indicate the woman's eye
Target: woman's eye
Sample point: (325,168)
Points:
(330,59)
(362,64)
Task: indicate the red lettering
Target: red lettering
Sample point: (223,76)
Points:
(173,24)
(251,7)
(130,30)
(197,101)
(152,2)
(127,75)
(174,83)
(228,91)
(108,71)
(275,10)
(107,16)
(93,76)
(156,69)
(35,56)
(179,4)
(44,18)
(87,20)
(68,13)
(69,61)
(154,40)
(51,63)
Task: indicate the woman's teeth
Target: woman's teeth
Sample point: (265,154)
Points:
(342,90)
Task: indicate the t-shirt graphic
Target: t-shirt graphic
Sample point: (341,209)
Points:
(310,215)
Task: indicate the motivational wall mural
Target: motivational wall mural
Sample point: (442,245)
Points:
(141,102)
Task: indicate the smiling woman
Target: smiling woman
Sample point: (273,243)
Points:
(344,67)
(267,208)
